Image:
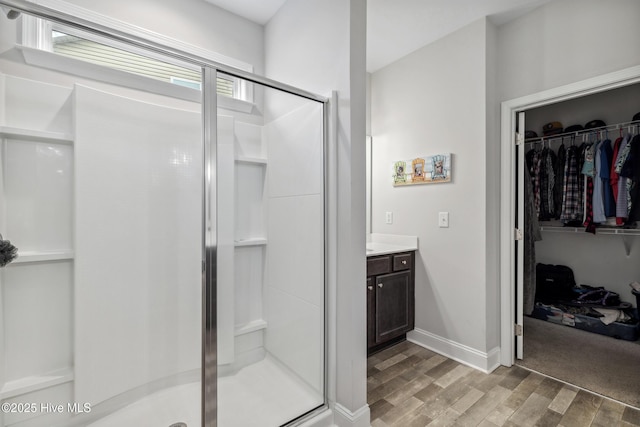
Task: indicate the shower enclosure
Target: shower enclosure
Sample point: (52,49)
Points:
(171,264)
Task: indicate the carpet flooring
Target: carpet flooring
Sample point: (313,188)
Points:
(601,364)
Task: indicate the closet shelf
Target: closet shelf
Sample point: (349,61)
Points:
(36,382)
(259,241)
(28,257)
(251,160)
(599,230)
(35,135)
(615,126)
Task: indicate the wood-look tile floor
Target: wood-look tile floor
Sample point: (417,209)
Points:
(410,386)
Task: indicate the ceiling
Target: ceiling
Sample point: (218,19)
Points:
(396,28)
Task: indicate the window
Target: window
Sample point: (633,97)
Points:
(63,41)
(119,59)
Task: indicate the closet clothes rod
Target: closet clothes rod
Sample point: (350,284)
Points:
(616,126)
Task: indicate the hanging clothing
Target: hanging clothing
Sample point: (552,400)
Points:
(633,161)
(551,183)
(622,201)
(604,171)
(546,183)
(598,200)
(533,159)
(531,235)
(613,175)
(581,194)
(590,226)
(588,171)
(571,193)
(559,181)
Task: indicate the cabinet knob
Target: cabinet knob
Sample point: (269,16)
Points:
(370,287)
(379,285)
(404,262)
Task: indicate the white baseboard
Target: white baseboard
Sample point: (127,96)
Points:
(323,419)
(343,417)
(485,362)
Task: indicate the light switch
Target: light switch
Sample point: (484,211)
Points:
(443,219)
(389,218)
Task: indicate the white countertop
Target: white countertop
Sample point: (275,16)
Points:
(382,244)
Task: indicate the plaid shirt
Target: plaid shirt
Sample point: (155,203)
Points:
(571,200)
(535,174)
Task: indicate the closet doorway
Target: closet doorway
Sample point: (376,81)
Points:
(557,346)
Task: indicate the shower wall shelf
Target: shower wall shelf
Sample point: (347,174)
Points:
(34,383)
(28,257)
(251,242)
(249,327)
(35,135)
(251,160)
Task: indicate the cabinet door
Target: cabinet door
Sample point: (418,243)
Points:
(371,313)
(393,305)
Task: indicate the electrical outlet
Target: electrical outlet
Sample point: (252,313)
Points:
(389,217)
(443,219)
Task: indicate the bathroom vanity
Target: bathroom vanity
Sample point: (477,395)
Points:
(390,293)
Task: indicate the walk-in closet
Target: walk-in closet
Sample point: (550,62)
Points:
(580,202)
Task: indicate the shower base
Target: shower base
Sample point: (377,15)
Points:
(263,394)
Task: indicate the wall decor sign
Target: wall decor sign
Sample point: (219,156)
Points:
(422,170)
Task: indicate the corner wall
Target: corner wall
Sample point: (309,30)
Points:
(319,45)
(429,102)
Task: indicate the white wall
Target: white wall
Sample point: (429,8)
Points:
(429,102)
(493,189)
(319,45)
(567,41)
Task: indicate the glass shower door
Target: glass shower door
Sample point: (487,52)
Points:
(101,191)
(270,259)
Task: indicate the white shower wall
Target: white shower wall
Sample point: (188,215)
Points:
(102,196)
(138,234)
(295,256)
(36,194)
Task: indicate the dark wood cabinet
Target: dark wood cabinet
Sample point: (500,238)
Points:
(390,299)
